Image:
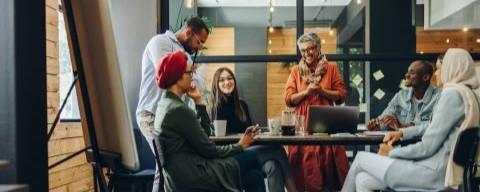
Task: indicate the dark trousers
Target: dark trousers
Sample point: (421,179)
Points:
(251,171)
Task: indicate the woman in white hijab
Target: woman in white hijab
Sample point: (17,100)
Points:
(426,165)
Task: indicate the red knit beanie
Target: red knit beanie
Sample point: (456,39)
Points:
(170,69)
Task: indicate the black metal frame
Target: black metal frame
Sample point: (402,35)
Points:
(331,57)
(23,94)
(163,16)
(57,117)
(163,24)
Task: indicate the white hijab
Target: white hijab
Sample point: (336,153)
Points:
(458,72)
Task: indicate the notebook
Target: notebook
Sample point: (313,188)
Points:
(330,119)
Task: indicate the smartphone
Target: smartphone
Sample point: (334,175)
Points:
(255,129)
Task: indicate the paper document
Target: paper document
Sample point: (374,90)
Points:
(375,133)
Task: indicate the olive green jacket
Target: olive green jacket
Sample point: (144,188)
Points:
(192,161)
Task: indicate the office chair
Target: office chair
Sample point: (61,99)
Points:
(160,160)
(464,154)
(142,180)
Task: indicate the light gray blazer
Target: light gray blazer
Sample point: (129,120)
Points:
(422,166)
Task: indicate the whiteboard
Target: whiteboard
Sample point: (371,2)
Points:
(106,95)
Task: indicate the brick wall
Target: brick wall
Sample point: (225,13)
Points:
(74,174)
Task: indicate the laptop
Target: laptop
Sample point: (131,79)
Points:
(330,119)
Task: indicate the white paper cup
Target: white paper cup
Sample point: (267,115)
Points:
(220,127)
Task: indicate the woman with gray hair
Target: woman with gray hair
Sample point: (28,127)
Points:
(426,165)
(315,82)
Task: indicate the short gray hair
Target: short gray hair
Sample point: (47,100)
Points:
(309,37)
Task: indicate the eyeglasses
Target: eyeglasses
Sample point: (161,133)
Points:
(308,49)
(202,45)
(191,72)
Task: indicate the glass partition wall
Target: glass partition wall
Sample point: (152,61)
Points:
(372,47)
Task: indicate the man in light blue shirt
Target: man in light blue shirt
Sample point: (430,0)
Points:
(413,106)
(190,39)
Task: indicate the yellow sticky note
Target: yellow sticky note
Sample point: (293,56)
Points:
(379,94)
(378,75)
(357,80)
(362,107)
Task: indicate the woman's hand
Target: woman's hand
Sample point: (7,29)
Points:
(392,136)
(313,88)
(385,149)
(194,93)
(251,134)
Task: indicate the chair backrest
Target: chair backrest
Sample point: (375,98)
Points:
(464,154)
(466,146)
(160,159)
(145,154)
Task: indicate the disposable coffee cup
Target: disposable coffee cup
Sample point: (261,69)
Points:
(220,127)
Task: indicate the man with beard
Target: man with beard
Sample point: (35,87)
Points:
(413,106)
(190,39)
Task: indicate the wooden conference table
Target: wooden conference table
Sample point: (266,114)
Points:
(353,139)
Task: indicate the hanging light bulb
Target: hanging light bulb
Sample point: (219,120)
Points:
(465,29)
(447,40)
(269,41)
(189,4)
(330,32)
(272,9)
(359,2)
(270,29)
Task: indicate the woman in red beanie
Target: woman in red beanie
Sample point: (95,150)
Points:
(192,161)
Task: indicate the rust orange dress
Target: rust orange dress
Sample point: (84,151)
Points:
(316,167)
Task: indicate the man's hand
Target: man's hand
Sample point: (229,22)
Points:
(385,149)
(392,122)
(373,125)
(392,136)
(251,134)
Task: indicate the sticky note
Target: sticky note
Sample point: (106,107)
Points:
(357,80)
(379,94)
(362,107)
(378,75)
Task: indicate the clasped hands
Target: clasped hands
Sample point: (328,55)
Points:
(388,141)
(314,88)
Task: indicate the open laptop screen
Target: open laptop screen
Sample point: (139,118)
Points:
(330,119)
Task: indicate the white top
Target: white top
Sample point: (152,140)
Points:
(156,48)
(416,102)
